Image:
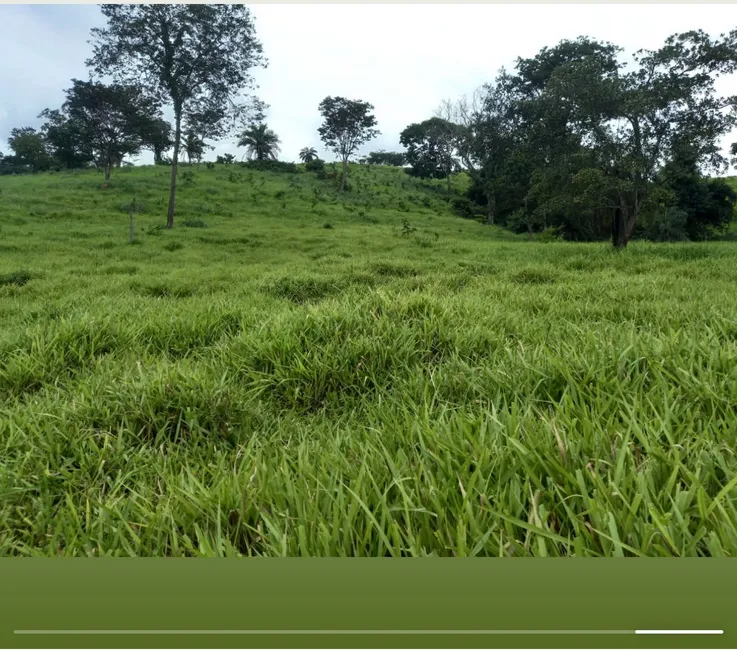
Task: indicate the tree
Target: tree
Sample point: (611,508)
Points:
(107,121)
(430,148)
(307,154)
(382,158)
(196,57)
(347,124)
(708,204)
(29,149)
(261,143)
(638,120)
(157,137)
(194,146)
(486,137)
(65,140)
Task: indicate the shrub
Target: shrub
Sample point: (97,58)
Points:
(271,166)
(173,246)
(549,235)
(464,208)
(316,165)
(669,224)
(194,224)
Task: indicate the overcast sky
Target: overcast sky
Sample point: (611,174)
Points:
(403,59)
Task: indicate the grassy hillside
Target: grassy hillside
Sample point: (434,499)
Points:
(301,374)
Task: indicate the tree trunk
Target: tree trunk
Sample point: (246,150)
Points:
(174,162)
(490,208)
(132,236)
(107,170)
(344,175)
(448,179)
(623,224)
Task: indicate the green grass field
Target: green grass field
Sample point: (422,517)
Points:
(299,374)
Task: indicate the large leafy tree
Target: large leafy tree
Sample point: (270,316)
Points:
(347,124)
(637,120)
(486,137)
(261,143)
(65,140)
(29,150)
(108,121)
(382,158)
(197,58)
(430,148)
(157,137)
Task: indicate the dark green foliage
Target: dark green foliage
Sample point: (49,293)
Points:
(18,278)
(708,204)
(302,290)
(575,139)
(465,208)
(316,165)
(271,166)
(30,152)
(194,224)
(430,148)
(103,124)
(407,228)
(382,158)
(66,140)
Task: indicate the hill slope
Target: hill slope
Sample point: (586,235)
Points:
(302,374)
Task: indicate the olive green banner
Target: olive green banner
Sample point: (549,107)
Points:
(428,603)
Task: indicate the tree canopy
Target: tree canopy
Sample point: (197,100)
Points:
(347,124)
(197,58)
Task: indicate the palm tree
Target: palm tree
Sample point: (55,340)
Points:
(308,154)
(261,143)
(194,146)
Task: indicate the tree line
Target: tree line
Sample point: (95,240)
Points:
(577,140)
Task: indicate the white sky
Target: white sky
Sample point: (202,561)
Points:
(403,59)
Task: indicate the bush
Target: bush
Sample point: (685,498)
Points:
(194,224)
(316,165)
(665,225)
(226,159)
(271,166)
(549,235)
(464,208)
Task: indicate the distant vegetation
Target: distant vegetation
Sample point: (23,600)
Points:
(577,142)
